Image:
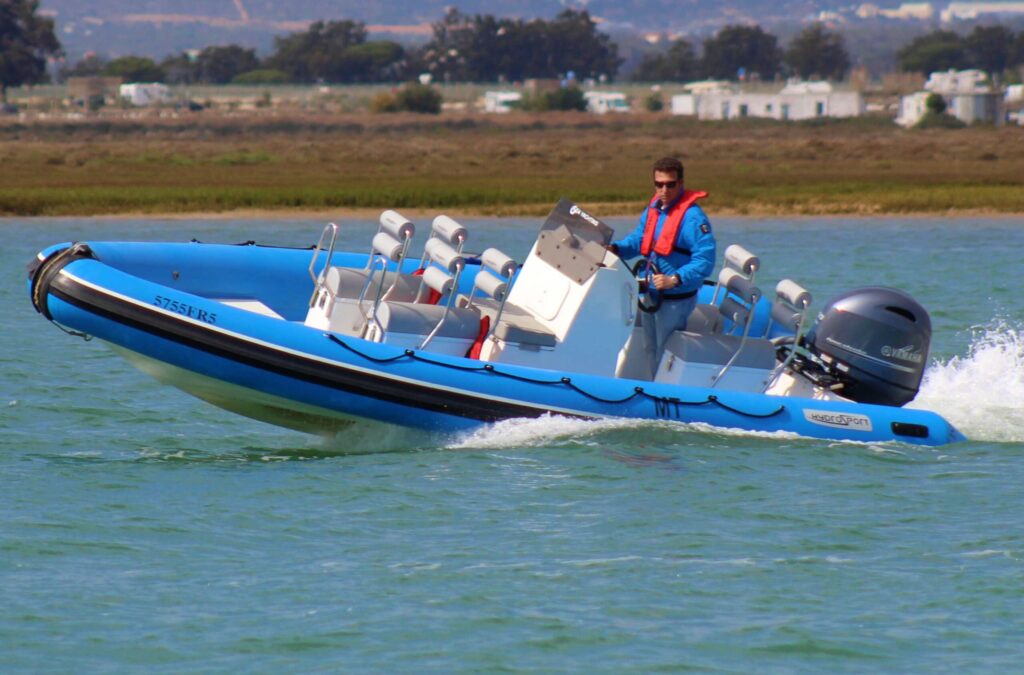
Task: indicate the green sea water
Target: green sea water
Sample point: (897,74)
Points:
(143,530)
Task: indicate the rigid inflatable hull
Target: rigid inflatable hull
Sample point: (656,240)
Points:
(162,305)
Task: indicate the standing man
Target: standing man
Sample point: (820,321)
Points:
(674,235)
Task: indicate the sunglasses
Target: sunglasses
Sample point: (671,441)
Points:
(666,184)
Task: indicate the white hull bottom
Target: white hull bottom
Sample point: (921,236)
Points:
(250,403)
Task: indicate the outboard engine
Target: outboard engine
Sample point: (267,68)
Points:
(874,342)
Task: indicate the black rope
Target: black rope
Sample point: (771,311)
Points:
(714,399)
(73,333)
(566,381)
(335,339)
(638,391)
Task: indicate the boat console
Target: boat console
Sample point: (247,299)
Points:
(573,307)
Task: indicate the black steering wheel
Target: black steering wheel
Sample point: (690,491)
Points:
(648,299)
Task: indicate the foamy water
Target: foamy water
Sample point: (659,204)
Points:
(549,430)
(982,392)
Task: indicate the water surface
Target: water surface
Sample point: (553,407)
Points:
(142,529)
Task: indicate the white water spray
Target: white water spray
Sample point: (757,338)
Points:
(982,393)
(532,432)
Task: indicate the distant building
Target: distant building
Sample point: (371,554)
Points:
(602,102)
(968,95)
(922,11)
(501,101)
(967,11)
(142,94)
(796,101)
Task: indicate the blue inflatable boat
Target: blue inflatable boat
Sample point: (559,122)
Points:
(313,339)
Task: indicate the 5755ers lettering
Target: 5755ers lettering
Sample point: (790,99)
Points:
(185,309)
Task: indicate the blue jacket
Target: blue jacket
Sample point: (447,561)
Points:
(694,235)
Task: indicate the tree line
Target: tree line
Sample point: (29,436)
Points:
(463,48)
(486,48)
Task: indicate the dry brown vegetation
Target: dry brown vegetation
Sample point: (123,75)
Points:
(499,165)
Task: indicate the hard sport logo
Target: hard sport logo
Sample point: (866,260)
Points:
(838,420)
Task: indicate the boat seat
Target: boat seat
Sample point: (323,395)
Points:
(411,318)
(708,318)
(705,319)
(515,325)
(717,349)
(345,282)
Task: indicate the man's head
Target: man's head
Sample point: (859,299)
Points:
(668,179)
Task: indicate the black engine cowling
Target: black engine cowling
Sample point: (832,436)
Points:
(875,342)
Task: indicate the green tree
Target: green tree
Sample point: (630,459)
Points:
(564,98)
(134,69)
(418,98)
(26,40)
(575,45)
(180,69)
(87,66)
(318,53)
(1016,57)
(936,51)
(818,52)
(742,49)
(989,48)
(678,64)
(936,117)
(376,61)
(262,76)
(483,48)
(935,104)
(220,65)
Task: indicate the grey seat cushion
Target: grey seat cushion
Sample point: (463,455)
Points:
(420,319)
(705,319)
(346,282)
(718,349)
(515,325)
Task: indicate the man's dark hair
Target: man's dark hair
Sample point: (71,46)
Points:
(668,164)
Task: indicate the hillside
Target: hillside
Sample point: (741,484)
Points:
(159,27)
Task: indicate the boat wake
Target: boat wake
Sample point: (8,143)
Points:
(553,431)
(981,393)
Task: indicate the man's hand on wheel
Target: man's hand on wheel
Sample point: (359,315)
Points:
(663,282)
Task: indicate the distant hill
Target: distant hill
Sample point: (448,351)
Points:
(642,14)
(159,27)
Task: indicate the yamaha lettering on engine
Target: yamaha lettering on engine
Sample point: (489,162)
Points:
(875,342)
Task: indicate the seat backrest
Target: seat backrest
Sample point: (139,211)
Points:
(442,274)
(707,318)
(494,279)
(790,310)
(791,306)
(391,243)
(737,306)
(741,296)
(741,261)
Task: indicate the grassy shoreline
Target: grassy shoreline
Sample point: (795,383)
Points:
(516,165)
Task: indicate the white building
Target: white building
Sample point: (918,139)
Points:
(501,101)
(142,94)
(922,11)
(602,102)
(795,101)
(968,95)
(968,11)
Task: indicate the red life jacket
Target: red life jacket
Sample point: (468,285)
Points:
(670,229)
